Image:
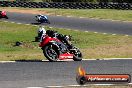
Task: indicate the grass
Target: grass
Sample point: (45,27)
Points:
(92,45)
(123,15)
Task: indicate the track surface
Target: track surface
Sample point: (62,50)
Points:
(103,26)
(41,74)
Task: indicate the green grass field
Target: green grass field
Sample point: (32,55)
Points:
(92,45)
(123,15)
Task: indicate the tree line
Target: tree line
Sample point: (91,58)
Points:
(119,1)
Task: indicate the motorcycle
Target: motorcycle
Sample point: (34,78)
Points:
(3,14)
(54,50)
(42,19)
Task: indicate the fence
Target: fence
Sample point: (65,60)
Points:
(67,5)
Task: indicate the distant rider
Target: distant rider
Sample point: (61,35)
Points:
(40,17)
(2,13)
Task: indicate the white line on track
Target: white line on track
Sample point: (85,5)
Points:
(7,61)
(75,85)
(86,31)
(126,35)
(54,87)
(95,32)
(81,17)
(81,85)
(27,24)
(84,85)
(5,21)
(12,22)
(76,30)
(67,29)
(130,83)
(73,60)
(113,34)
(35,25)
(58,15)
(50,27)
(104,33)
(110,20)
(69,16)
(111,84)
(19,23)
(117,58)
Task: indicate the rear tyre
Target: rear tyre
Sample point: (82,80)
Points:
(50,53)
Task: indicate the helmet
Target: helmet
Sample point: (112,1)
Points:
(3,13)
(41,30)
(40,14)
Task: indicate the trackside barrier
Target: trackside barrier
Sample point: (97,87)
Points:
(67,5)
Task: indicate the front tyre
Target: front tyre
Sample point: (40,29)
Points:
(77,55)
(76,58)
(50,53)
(48,21)
(6,17)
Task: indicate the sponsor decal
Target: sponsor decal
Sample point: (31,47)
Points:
(83,78)
(65,56)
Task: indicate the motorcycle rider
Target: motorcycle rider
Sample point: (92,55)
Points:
(63,38)
(41,33)
(2,13)
(40,17)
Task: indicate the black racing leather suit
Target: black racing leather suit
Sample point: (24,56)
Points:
(61,37)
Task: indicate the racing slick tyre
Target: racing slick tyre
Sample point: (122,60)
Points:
(77,55)
(6,17)
(76,58)
(48,22)
(51,53)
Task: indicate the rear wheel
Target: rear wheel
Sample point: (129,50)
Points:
(50,53)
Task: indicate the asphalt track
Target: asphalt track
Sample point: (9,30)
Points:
(94,25)
(41,74)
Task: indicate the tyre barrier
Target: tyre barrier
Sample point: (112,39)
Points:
(67,5)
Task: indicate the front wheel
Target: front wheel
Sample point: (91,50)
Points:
(77,55)
(6,17)
(48,21)
(77,58)
(50,53)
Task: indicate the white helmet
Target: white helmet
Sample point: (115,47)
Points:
(40,14)
(42,30)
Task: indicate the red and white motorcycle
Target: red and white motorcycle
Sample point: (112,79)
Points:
(54,49)
(3,14)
